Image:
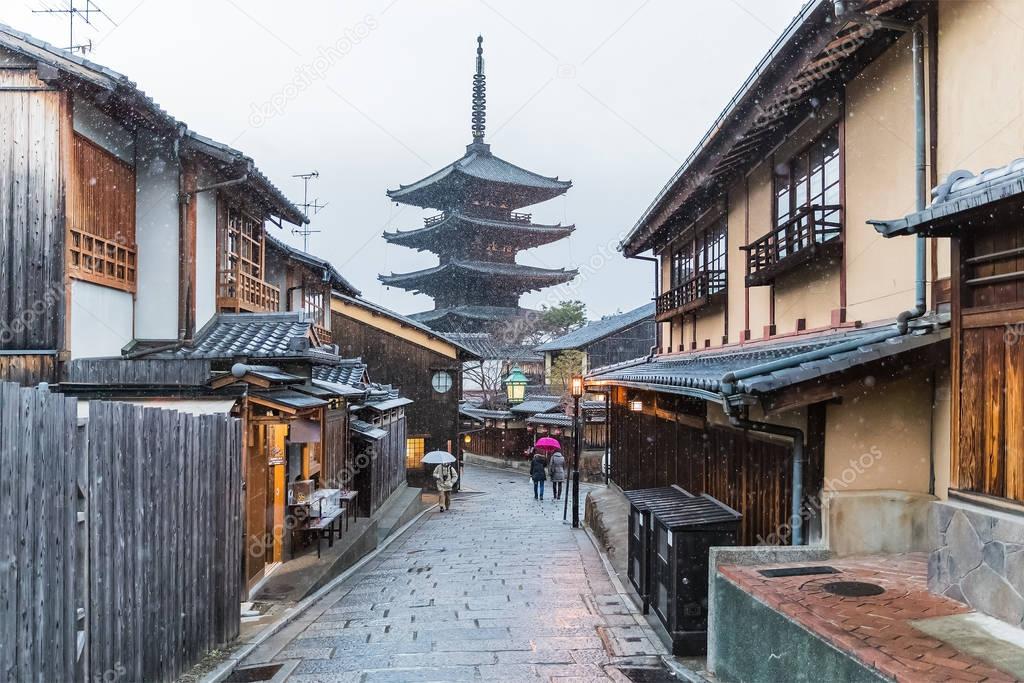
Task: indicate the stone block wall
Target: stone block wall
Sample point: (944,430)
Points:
(978,559)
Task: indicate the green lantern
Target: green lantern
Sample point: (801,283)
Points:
(515,385)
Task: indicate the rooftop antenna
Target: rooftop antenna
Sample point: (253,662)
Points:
(306,205)
(479,94)
(79,13)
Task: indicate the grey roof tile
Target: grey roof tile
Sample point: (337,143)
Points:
(533,406)
(599,329)
(703,371)
(231,336)
(350,372)
(962,201)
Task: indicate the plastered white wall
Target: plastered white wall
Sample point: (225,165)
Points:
(156,237)
(206,254)
(91,123)
(101,320)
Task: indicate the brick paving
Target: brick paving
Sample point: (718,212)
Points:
(497,588)
(874,629)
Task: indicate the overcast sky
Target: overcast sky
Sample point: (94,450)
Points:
(612,94)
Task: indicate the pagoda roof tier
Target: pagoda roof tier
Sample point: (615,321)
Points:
(454,316)
(502,276)
(480,175)
(456,225)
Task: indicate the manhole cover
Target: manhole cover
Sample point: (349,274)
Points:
(853,589)
(797,571)
(252,674)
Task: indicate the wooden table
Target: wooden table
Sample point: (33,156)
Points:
(319,517)
(348,501)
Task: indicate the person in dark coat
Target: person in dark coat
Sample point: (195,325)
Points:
(538,472)
(557,468)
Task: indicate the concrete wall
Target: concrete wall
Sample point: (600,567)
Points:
(875,522)
(156,236)
(101,320)
(206,253)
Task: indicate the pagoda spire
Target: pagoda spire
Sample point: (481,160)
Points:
(479,94)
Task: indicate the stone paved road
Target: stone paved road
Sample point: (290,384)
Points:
(498,588)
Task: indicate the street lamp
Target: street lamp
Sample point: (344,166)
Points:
(576,389)
(515,385)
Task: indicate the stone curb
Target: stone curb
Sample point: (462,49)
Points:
(224,670)
(675,667)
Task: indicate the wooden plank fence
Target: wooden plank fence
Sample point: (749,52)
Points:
(120,540)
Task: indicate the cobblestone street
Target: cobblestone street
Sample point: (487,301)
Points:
(497,588)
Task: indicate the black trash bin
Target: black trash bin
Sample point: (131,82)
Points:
(681,537)
(641,503)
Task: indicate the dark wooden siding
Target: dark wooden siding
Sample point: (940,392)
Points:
(31,213)
(28,369)
(408,366)
(499,443)
(667,444)
(988,361)
(633,342)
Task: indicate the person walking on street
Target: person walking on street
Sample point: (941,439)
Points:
(445,476)
(538,474)
(556,467)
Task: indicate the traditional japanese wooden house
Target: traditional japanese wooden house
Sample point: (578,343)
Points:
(122,225)
(610,340)
(790,380)
(477,234)
(307,282)
(423,364)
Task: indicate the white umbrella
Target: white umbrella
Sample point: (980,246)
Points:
(438,458)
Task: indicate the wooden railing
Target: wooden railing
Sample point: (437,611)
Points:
(104,261)
(434,220)
(322,333)
(793,242)
(693,293)
(244,292)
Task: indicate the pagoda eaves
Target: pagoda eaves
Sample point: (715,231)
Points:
(443,229)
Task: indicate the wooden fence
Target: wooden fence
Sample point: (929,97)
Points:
(120,538)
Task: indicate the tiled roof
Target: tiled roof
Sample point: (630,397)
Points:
(554,419)
(254,335)
(337,281)
(377,309)
(533,406)
(480,165)
(475,413)
(480,268)
(965,196)
(702,373)
(599,329)
(350,372)
(485,345)
(459,224)
(475,313)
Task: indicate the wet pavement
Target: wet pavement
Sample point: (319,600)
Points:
(497,588)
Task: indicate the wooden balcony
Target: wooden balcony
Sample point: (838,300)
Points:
(700,290)
(239,291)
(813,232)
(108,262)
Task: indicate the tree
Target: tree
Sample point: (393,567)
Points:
(562,318)
(565,365)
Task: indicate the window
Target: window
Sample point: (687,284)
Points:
(441,381)
(808,180)
(703,254)
(241,281)
(414,448)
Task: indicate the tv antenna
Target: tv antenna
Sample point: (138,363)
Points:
(77,13)
(306,205)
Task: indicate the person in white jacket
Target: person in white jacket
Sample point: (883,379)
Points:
(445,477)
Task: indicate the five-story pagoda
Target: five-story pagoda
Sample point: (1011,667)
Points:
(478,233)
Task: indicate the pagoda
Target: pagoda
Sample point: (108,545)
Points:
(478,233)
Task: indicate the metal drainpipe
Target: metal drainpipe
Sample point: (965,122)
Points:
(920,155)
(797,436)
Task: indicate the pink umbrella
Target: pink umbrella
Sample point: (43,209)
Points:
(546,443)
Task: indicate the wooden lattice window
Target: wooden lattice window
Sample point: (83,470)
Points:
(101,217)
(241,272)
(414,451)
